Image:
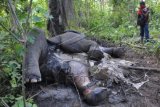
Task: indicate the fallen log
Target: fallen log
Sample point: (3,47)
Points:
(140,68)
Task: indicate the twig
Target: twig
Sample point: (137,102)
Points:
(20,40)
(23,76)
(14,15)
(4,103)
(140,68)
(135,46)
(35,95)
(78,93)
(29,12)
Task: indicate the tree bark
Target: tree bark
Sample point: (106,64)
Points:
(61,11)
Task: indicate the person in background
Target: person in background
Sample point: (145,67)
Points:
(143,20)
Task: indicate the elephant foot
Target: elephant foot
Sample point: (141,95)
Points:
(95,95)
(118,52)
(96,55)
(33,76)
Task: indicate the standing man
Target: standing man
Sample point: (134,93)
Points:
(142,21)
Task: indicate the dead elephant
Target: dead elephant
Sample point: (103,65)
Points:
(40,55)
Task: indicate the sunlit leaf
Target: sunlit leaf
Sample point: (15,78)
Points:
(19,102)
(2,46)
(36,19)
(48,15)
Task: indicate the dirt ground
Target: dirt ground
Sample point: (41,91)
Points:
(122,95)
(150,91)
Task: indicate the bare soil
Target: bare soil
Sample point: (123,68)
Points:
(150,91)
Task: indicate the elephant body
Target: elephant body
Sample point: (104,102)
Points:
(50,58)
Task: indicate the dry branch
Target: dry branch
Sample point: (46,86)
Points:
(77,92)
(134,46)
(29,13)
(14,16)
(140,68)
(4,103)
(14,35)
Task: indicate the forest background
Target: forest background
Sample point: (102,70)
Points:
(110,20)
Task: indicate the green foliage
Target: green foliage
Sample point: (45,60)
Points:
(153,47)
(20,103)
(11,51)
(116,20)
(10,67)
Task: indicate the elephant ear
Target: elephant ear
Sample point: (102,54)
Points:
(96,55)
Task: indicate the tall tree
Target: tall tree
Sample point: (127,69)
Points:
(61,11)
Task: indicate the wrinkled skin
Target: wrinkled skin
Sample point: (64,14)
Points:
(70,42)
(75,42)
(42,59)
(35,56)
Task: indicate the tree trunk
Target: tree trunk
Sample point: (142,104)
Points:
(61,11)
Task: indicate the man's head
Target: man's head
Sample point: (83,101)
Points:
(142,4)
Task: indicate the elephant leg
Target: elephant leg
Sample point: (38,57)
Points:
(114,52)
(94,52)
(79,72)
(35,55)
(91,93)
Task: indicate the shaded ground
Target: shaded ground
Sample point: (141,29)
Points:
(150,91)
(120,94)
